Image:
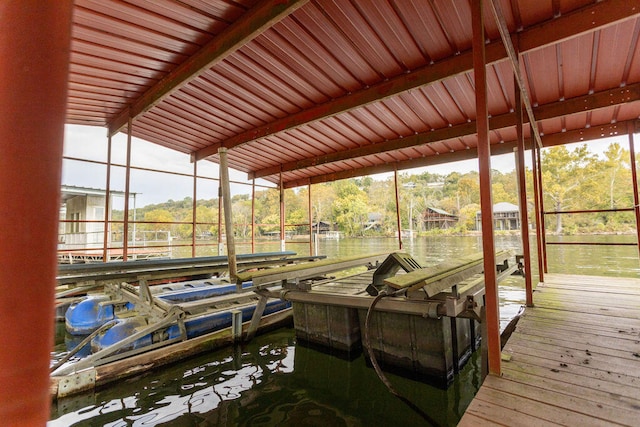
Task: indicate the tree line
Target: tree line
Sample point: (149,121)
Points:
(573,180)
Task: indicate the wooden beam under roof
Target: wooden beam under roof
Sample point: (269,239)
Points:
(253,23)
(580,104)
(603,14)
(551,140)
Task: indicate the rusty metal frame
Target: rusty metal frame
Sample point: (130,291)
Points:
(507,147)
(501,22)
(193,207)
(492,305)
(543,227)
(601,14)
(250,25)
(522,197)
(581,104)
(634,179)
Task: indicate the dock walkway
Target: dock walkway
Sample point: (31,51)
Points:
(574,358)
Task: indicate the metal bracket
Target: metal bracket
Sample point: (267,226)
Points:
(79,381)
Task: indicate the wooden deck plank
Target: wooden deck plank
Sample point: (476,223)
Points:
(578,405)
(574,358)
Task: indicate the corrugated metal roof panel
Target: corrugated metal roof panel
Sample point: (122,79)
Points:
(326,63)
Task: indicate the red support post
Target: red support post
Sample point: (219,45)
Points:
(34,50)
(282,215)
(537,210)
(634,181)
(310,221)
(194,218)
(522,195)
(486,205)
(543,235)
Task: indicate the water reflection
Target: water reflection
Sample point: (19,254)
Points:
(272,381)
(275,381)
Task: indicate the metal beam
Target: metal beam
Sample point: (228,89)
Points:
(491,303)
(580,104)
(579,135)
(254,22)
(607,13)
(34,50)
(514,60)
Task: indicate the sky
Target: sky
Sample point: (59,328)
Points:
(88,142)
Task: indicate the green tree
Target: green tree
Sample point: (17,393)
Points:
(563,172)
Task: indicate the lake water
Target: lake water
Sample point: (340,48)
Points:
(275,381)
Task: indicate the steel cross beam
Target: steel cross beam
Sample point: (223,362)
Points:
(514,60)
(589,18)
(581,104)
(578,135)
(254,22)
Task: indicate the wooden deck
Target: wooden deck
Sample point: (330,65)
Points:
(574,358)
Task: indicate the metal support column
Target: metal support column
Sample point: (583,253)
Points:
(127,189)
(282,215)
(34,47)
(310,220)
(228,217)
(543,234)
(522,198)
(220,243)
(253,216)
(486,204)
(398,221)
(537,210)
(634,181)
(193,207)
(107,206)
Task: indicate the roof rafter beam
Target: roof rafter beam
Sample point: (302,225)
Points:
(586,19)
(253,23)
(514,60)
(580,135)
(607,98)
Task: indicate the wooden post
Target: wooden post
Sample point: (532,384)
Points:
(253,216)
(486,203)
(228,217)
(522,197)
(282,216)
(34,47)
(255,319)
(127,185)
(398,221)
(107,206)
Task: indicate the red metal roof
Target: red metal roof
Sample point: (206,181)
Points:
(328,89)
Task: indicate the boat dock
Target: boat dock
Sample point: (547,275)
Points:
(573,359)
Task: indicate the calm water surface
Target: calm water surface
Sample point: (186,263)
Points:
(275,381)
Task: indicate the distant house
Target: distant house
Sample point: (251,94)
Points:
(435,218)
(506,216)
(321,227)
(374,222)
(82,215)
